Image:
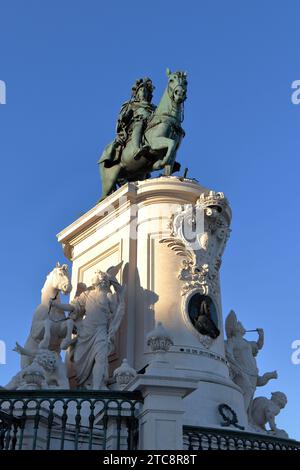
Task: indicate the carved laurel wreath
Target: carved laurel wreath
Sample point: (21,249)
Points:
(229,416)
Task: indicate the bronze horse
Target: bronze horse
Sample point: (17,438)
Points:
(161,140)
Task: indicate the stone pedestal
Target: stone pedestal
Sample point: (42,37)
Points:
(162,414)
(139,225)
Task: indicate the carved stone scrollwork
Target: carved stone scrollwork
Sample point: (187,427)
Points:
(199,234)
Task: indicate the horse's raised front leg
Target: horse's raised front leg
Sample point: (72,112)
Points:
(44,344)
(69,325)
(163,143)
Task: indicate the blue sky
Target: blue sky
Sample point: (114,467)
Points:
(68,66)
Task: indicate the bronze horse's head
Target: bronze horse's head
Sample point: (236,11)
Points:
(177,86)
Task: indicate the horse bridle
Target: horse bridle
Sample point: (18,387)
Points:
(171,94)
(49,310)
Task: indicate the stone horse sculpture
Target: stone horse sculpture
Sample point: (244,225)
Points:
(160,142)
(50,328)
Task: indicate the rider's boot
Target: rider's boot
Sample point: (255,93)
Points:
(136,141)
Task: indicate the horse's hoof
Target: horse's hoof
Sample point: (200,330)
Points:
(168,170)
(157,166)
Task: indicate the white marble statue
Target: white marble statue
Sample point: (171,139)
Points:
(241,355)
(98,313)
(50,328)
(45,371)
(264,410)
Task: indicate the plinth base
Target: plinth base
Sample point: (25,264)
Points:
(129,226)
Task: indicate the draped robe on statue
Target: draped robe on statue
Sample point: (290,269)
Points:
(96,306)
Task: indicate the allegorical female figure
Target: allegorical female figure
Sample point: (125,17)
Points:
(97,312)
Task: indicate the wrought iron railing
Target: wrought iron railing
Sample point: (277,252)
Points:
(9,426)
(68,419)
(196,438)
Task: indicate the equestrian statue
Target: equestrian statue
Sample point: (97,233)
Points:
(147,137)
